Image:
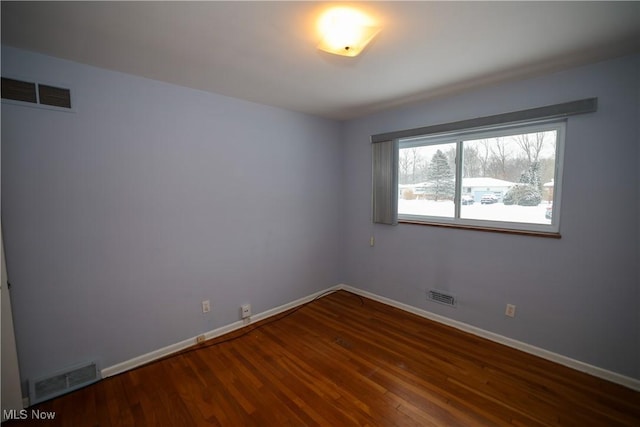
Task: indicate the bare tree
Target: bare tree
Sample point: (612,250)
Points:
(416,160)
(471,162)
(500,156)
(404,165)
(531,144)
(410,165)
(484,152)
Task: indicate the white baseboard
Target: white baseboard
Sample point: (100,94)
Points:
(614,377)
(174,348)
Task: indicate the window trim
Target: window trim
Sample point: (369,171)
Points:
(484,228)
(549,112)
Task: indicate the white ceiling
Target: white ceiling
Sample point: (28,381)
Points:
(266,51)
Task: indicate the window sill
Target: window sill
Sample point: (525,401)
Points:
(489,229)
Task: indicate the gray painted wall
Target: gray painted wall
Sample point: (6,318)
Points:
(577,296)
(120,218)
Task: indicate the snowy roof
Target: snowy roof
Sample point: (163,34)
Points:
(486,182)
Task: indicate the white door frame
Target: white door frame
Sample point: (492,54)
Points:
(10,373)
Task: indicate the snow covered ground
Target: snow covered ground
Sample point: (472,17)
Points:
(493,212)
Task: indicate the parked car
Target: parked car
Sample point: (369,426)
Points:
(549,212)
(467,200)
(488,199)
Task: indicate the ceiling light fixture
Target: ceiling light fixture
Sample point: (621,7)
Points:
(345,31)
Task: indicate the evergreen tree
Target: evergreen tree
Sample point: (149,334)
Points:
(522,195)
(440,177)
(531,176)
(527,193)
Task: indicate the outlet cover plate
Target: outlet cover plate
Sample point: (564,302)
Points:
(510,310)
(206,306)
(246,310)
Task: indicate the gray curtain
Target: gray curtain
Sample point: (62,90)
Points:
(385,182)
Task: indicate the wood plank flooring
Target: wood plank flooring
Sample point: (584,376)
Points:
(341,361)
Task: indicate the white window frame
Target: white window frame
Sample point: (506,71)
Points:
(459,137)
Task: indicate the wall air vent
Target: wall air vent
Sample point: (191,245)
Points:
(19,91)
(36,93)
(441,298)
(62,382)
(56,96)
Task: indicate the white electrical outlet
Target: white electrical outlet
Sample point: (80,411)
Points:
(206,306)
(372,241)
(510,311)
(246,310)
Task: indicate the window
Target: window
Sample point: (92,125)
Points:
(501,177)
(496,173)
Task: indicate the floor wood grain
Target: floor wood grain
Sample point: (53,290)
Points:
(344,360)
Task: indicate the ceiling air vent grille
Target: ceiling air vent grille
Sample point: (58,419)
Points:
(441,298)
(62,382)
(36,93)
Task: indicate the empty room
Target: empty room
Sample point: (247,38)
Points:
(320,213)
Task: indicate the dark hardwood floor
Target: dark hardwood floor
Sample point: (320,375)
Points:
(341,361)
